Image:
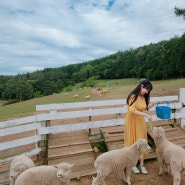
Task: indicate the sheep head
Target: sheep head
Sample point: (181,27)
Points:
(17,169)
(158,133)
(63,171)
(142,146)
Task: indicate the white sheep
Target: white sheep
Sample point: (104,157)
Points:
(87,97)
(75,96)
(43,175)
(171,157)
(18,165)
(119,160)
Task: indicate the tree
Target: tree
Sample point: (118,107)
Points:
(180,12)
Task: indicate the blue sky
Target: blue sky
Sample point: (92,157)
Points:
(38,34)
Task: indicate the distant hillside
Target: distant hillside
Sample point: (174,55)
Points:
(164,60)
(119,89)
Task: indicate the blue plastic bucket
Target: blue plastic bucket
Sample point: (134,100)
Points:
(163,111)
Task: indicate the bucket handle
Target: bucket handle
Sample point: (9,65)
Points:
(165,101)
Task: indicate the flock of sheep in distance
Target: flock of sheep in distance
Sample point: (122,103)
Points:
(171,158)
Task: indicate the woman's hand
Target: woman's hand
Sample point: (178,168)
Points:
(152,104)
(149,117)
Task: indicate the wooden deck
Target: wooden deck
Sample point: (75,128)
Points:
(74,148)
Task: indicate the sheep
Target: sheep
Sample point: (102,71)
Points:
(87,97)
(171,157)
(43,175)
(75,96)
(119,159)
(18,165)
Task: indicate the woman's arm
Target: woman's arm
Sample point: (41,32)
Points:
(139,113)
(151,104)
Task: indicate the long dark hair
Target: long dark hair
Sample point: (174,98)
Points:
(144,83)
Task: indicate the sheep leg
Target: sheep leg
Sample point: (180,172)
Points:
(99,179)
(161,163)
(176,172)
(127,176)
(176,178)
(166,168)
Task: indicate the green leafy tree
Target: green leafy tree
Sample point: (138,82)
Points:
(180,12)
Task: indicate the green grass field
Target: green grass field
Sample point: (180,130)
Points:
(118,89)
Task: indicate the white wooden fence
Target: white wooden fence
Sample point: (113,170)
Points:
(39,123)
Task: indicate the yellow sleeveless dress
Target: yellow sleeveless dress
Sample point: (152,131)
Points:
(135,126)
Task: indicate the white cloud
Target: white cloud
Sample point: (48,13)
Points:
(36,34)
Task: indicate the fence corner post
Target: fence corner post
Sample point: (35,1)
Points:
(182,101)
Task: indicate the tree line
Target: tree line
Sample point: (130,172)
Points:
(163,60)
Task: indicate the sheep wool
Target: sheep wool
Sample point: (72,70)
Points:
(119,160)
(171,157)
(18,165)
(43,175)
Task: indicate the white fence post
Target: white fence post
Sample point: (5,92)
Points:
(43,143)
(182,100)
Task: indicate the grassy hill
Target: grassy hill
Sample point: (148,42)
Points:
(118,89)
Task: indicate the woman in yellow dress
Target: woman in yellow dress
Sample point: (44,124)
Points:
(135,125)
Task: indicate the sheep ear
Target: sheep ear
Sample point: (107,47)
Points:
(72,165)
(21,168)
(138,146)
(55,166)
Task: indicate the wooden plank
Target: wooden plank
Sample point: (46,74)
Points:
(19,142)
(68,134)
(113,129)
(4,168)
(73,105)
(29,150)
(67,145)
(19,129)
(171,129)
(114,145)
(94,103)
(88,156)
(69,154)
(17,150)
(19,121)
(80,126)
(68,138)
(177,138)
(80,113)
(70,149)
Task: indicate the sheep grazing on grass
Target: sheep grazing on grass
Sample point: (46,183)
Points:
(18,165)
(46,175)
(171,157)
(75,96)
(119,160)
(87,97)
